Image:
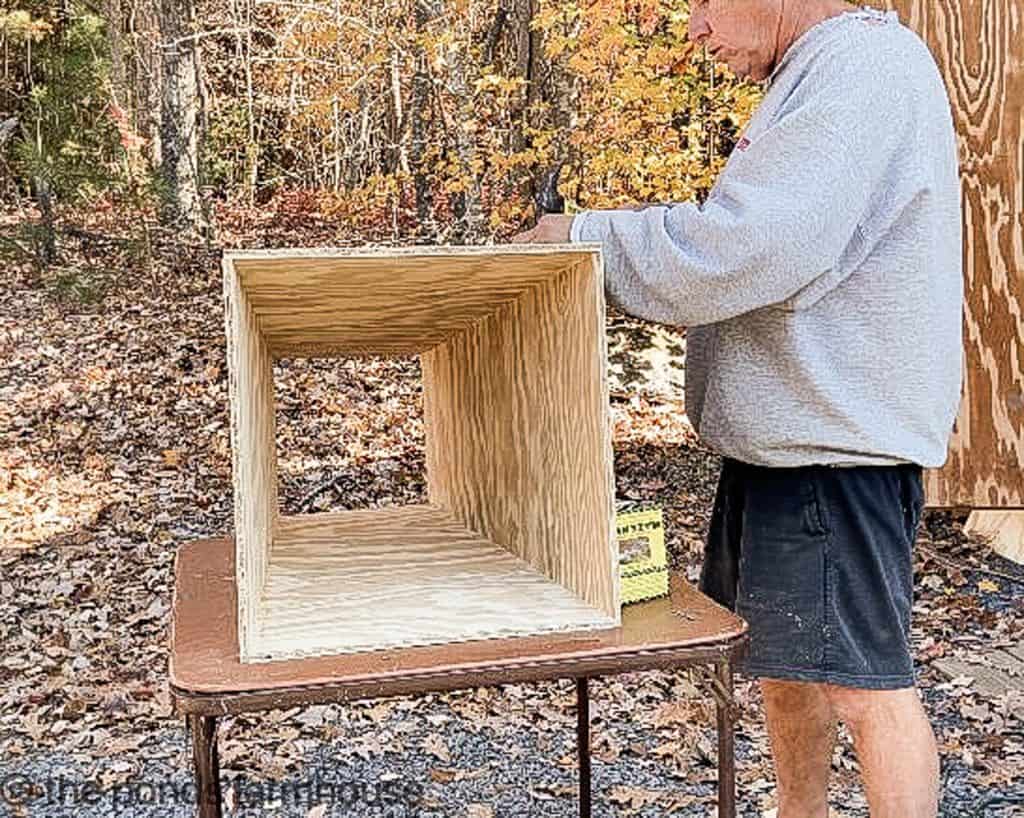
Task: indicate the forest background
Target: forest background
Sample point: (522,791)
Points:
(398,122)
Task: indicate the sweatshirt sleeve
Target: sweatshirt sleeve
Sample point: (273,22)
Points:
(784,209)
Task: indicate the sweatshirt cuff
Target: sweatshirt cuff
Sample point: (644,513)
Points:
(577,232)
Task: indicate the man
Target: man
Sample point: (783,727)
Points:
(821,285)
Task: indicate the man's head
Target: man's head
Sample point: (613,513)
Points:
(751,36)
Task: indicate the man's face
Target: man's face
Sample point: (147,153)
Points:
(740,33)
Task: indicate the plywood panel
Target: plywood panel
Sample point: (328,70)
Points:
(979,47)
(1004,531)
(341,582)
(993,673)
(519,435)
(254,471)
(311,303)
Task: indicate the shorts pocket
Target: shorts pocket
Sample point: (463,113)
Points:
(817,517)
(781,574)
(912,501)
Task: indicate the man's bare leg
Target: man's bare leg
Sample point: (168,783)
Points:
(896,749)
(802,730)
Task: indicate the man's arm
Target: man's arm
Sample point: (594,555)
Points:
(784,210)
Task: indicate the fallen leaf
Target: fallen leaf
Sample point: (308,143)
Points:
(435,745)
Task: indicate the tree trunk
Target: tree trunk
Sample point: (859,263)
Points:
(181,116)
(47,246)
(562,91)
(243,20)
(419,114)
(146,72)
(355,171)
(396,156)
(115,40)
(529,62)
(529,49)
(466,204)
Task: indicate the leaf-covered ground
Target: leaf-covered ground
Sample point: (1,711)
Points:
(114,451)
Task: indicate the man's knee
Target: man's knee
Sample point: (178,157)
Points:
(785,696)
(785,688)
(854,706)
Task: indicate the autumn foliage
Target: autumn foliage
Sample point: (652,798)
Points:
(428,120)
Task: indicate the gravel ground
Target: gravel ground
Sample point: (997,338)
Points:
(521,774)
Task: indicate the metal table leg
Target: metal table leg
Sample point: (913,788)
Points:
(207,770)
(583,743)
(726,741)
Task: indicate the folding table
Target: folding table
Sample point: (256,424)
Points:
(207,680)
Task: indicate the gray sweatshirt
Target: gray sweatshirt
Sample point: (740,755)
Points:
(821,281)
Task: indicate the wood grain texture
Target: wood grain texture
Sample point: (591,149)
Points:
(519,436)
(993,673)
(341,582)
(979,46)
(519,536)
(254,456)
(339,302)
(1004,531)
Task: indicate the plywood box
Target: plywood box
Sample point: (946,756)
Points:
(518,534)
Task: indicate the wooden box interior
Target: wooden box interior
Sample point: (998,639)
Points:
(518,534)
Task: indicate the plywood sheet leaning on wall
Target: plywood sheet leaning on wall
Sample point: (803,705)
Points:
(518,534)
(979,48)
(1004,531)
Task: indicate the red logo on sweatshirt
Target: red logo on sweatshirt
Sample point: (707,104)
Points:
(743,144)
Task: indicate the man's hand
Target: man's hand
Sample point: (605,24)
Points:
(551,229)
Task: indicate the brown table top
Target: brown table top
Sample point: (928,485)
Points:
(207,677)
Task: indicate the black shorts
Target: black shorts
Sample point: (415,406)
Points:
(817,559)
